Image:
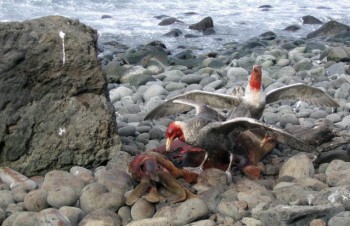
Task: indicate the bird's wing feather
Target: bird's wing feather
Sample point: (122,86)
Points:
(166,109)
(240,124)
(179,105)
(302,92)
(215,100)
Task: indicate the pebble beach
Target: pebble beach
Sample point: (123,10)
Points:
(294,189)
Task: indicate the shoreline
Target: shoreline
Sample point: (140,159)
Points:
(293,189)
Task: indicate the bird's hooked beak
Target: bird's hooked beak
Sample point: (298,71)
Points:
(266,140)
(169,142)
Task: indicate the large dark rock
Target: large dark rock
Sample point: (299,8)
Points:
(203,25)
(310,20)
(169,21)
(329,29)
(54,111)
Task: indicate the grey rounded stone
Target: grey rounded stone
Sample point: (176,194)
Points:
(298,166)
(341,219)
(191,78)
(156,133)
(289,119)
(142,209)
(236,73)
(153,91)
(271,118)
(26,218)
(101,217)
(334,117)
(127,131)
(216,84)
(73,214)
(6,198)
(171,86)
(95,196)
(36,200)
(62,196)
(318,114)
(51,216)
(124,213)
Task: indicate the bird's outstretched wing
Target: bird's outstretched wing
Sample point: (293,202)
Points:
(179,105)
(240,124)
(300,91)
(214,100)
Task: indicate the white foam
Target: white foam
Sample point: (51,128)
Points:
(133,21)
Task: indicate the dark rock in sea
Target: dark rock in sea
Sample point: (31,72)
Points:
(157,44)
(190,13)
(191,36)
(106,17)
(323,7)
(174,33)
(265,7)
(269,35)
(54,106)
(169,21)
(161,16)
(329,29)
(292,28)
(154,49)
(203,25)
(209,31)
(310,20)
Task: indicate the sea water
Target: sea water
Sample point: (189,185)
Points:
(134,22)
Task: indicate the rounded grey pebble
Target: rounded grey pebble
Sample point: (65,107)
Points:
(215,85)
(141,139)
(130,118)
(144,136)
(62,196)
(18,195)
(51,216)
(25,218)
(334,118)
(271,118)
(172,86)
(124,213)
(193,87)
(153,91)
(205,81)
(191,79)
(127,131)
(74,214)
(142,209)
(130,149)
(13,208)
(101,217)
(152,144)
(289,119)
(303,113)
(36,200)
(9,220)
(2,214)
(156,133)
(6,198)
(143,129)
(129,109)
(318,114)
